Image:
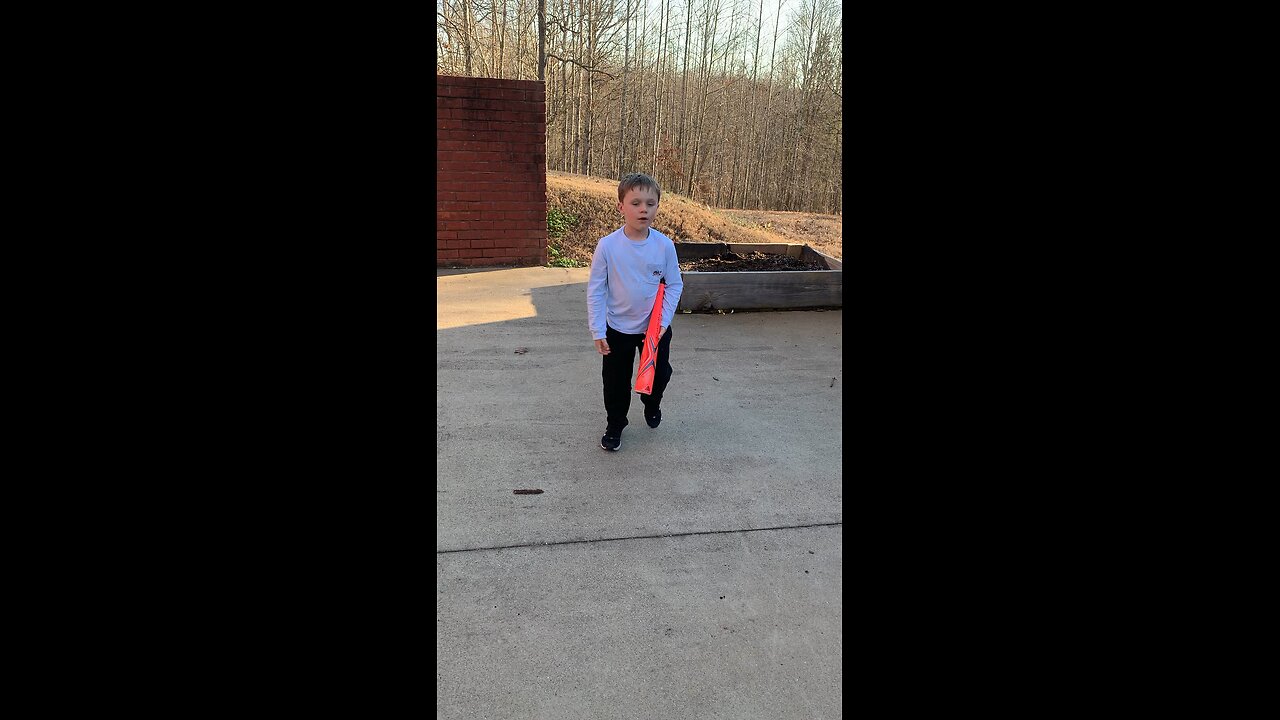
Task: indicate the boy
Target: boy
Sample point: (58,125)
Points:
(626,268)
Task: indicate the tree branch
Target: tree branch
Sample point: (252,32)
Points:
(562,26)
(723,86)
(584,67)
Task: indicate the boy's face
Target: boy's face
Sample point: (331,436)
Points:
(638,208)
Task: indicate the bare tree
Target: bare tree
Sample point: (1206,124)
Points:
(732,115)
(684,81)
(626,63)
(657,88)
(710,21)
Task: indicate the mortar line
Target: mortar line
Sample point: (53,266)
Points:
(638,537)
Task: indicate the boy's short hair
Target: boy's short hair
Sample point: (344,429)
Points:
(637,180)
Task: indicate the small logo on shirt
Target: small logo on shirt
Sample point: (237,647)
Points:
(657,273)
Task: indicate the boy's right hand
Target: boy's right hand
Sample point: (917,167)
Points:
(602,346)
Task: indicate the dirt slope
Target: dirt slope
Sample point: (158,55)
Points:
(593,201)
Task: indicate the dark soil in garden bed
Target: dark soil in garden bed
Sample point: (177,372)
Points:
(755,261)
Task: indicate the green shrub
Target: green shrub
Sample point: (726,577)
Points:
(559,222)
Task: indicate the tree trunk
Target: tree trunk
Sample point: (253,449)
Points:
(657,87)
(589,108)
(642,56)
(768,106)
(684,83)
(753,116)
(623,103)
(466,34)
(542,39)
(502,39)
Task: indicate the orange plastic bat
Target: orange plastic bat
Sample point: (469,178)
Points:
(649,353)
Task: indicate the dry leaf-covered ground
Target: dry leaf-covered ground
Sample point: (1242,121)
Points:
(820,232)
(593,201)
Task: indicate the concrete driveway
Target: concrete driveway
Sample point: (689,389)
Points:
(696,573)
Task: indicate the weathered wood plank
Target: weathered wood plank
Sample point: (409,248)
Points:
(761,290)
(698,251)
(766,248)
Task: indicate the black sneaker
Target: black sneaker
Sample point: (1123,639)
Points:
(611,441)
(653,417)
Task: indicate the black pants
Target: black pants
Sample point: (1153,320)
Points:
(616,371)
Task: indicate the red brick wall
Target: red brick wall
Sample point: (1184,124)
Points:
(491,172)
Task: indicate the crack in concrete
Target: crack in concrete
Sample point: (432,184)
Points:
(638,537)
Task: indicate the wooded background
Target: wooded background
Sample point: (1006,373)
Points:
(728,102)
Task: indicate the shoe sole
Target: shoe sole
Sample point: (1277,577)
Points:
(602,447)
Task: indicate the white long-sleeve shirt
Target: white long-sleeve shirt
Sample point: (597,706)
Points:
(624,281)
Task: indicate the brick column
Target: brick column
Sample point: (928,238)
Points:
(491,172)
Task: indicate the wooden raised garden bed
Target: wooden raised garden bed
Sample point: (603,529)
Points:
(759,290)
